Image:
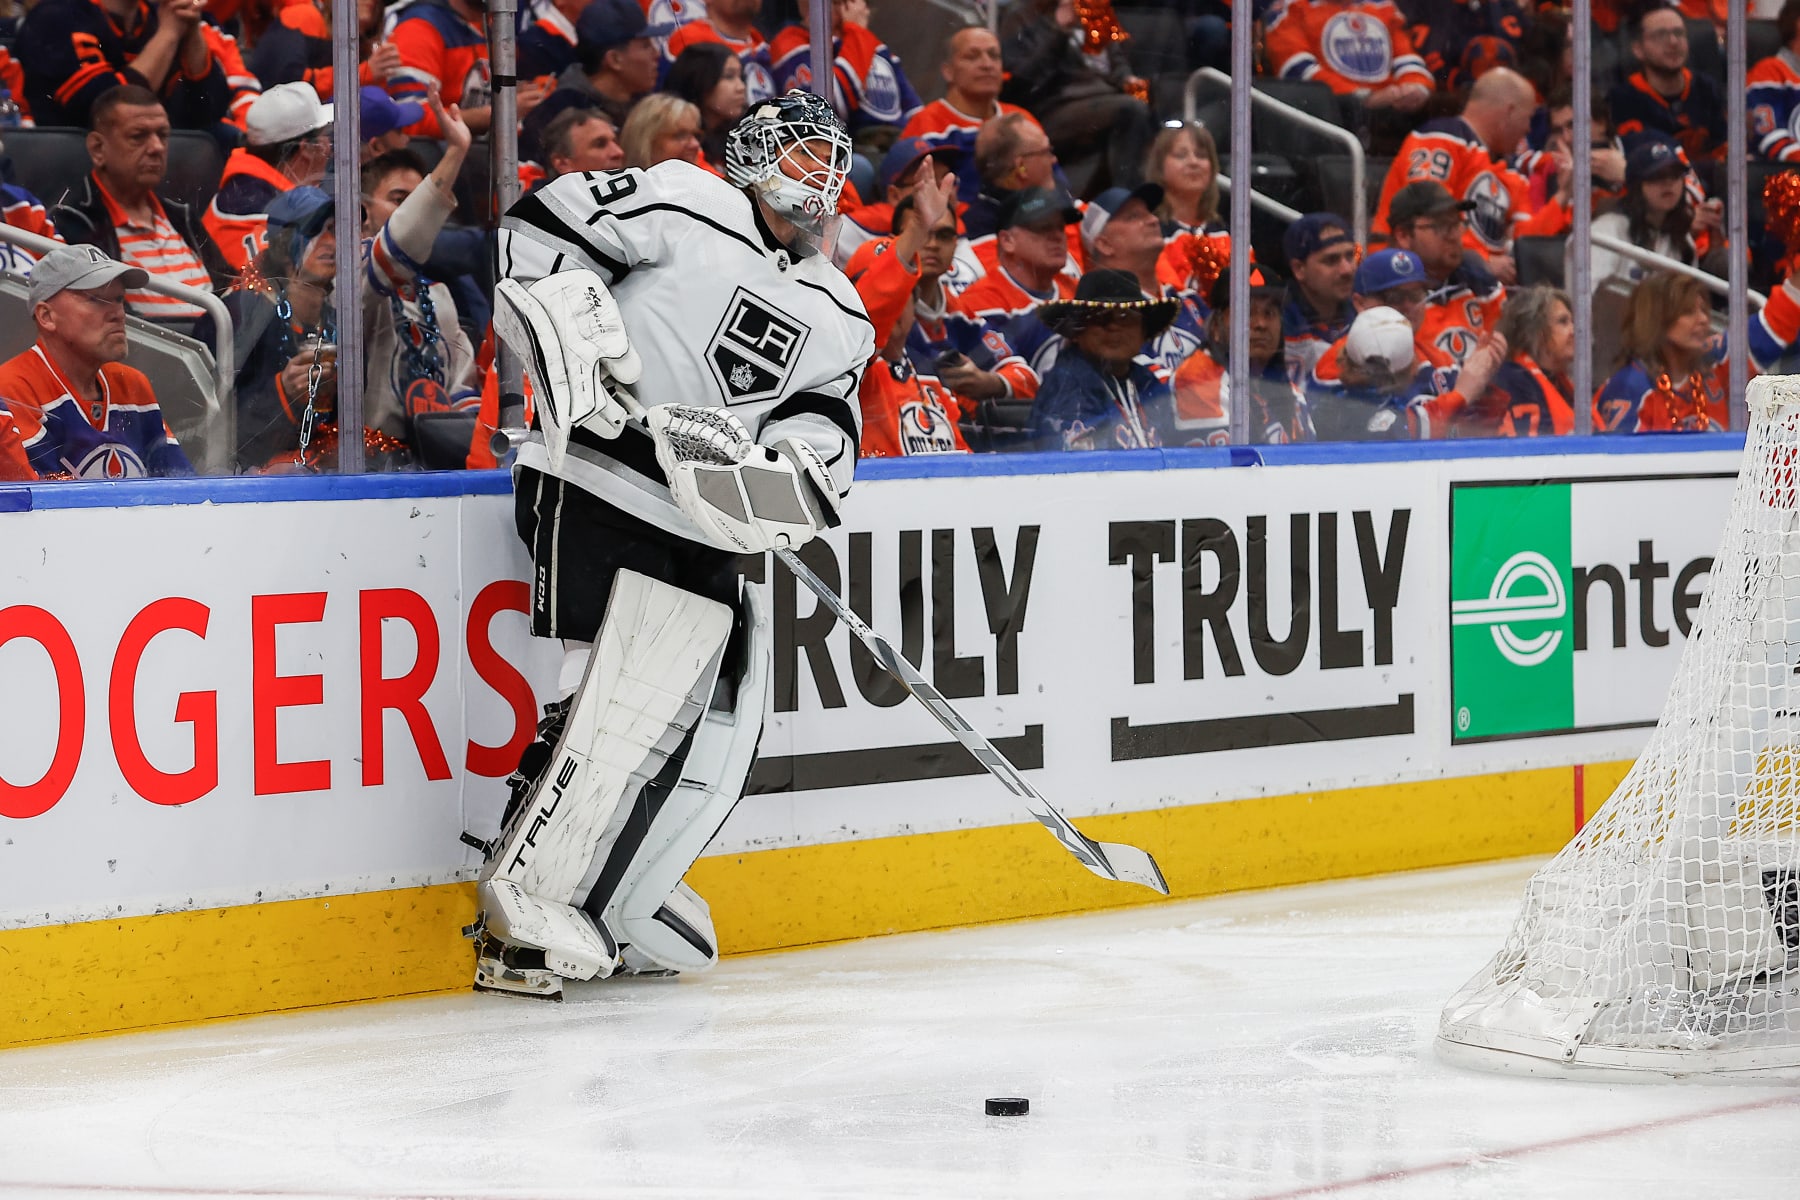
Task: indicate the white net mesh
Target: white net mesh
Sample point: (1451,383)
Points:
(1666,936)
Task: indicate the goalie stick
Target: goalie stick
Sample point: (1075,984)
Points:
(1109,860)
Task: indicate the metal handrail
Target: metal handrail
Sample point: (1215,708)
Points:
(1664,262)
(1359,202)
(1267,203)
(224,349)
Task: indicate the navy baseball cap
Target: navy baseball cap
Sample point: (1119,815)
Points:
(905,154)
(1314,232)
(1104,207)
(1039,207)
(1652,158)
(1386,269)
(608,24)
(382,114)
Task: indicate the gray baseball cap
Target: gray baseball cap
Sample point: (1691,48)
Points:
(83,268)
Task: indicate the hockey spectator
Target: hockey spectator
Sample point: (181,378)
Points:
(74,50)
(1656,214)
(1102,394)
(1355,47)
(1120,231)
(547,41)
(661,127)
(1455,37)
(1184,162)
(460,256)
(973,76)
(1370,386)
(1549,171)
(618,63)
(1530,394)
(296,48)
(1663,96)
(116,207)
(81,413)
(1087,100)
(1774,85)
(443,48)
(287,144)
(906,408)
(1465,299)
(732,24)
(1012,154)
(711,78)
(1468,155)
(1671,375)
(580,139)
(901,171)
(385,122)
(1321,256)
(869,85)
(417,360)
(1202,390)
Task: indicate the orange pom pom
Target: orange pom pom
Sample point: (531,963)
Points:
(1781,204)
(1207,258)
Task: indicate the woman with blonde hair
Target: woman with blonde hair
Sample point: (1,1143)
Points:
(661,126)
(1185,161)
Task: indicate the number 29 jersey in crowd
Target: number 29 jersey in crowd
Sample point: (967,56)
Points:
(721,313)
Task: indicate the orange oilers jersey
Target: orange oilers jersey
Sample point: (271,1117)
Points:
(1522,401)
(1462,312)
(1447,151)
(438,46)
(870,82)
(238,217)
(1351,47)
(907,413)
(119,434)
(15,467)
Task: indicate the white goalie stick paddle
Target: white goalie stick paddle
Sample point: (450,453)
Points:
(1109,860)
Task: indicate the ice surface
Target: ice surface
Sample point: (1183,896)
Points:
(1267,1044)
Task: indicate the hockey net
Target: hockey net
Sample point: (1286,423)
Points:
(1665,938)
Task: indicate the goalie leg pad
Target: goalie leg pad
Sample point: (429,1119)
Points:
(662,924)
(568,330)
(656,659)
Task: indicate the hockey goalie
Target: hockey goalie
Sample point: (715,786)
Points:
(695,358)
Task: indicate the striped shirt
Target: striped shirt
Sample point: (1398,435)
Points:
(160,250)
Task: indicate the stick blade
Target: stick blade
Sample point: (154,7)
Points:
(1131,865)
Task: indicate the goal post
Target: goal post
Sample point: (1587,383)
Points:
(1664,940)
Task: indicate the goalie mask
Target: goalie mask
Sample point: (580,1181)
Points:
(794,154)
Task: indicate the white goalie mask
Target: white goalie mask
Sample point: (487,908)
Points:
(793,152)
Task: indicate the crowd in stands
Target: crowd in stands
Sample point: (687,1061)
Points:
(1041,250)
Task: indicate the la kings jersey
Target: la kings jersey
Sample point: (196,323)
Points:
(717,308)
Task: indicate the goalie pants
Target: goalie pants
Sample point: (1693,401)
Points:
(579,542)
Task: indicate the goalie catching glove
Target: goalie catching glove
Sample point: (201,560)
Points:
(744,496)
(568,330)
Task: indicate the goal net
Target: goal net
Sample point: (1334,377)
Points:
(1665,938)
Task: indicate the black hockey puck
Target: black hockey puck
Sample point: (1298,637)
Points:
(1008,1106)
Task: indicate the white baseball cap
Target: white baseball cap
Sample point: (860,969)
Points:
(1380,337)
(283,113)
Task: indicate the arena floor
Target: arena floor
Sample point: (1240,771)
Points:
(1271,1044)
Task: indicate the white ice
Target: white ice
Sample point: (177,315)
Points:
(1253,1046)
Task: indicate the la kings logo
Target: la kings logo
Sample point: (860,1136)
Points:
(754,350)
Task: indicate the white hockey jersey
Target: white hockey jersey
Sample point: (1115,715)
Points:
(720,312)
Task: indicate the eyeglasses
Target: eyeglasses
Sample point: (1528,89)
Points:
(99,301)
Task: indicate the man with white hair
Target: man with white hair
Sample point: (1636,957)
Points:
(79,411)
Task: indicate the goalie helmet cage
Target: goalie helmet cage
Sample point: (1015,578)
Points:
(1664,940)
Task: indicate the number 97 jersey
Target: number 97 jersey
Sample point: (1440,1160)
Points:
(720,312)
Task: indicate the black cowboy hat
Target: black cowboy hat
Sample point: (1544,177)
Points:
(1106,292)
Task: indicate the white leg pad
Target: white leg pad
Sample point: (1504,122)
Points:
(574,947)
(656,659)
(650,909)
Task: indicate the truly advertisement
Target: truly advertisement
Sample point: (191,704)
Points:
(1571,599)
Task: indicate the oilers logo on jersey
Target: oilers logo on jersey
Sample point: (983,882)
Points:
(1491,218)
(109,460)
(754,350)
(925,430)
(881,93)
(1457,343)
(1358,47)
